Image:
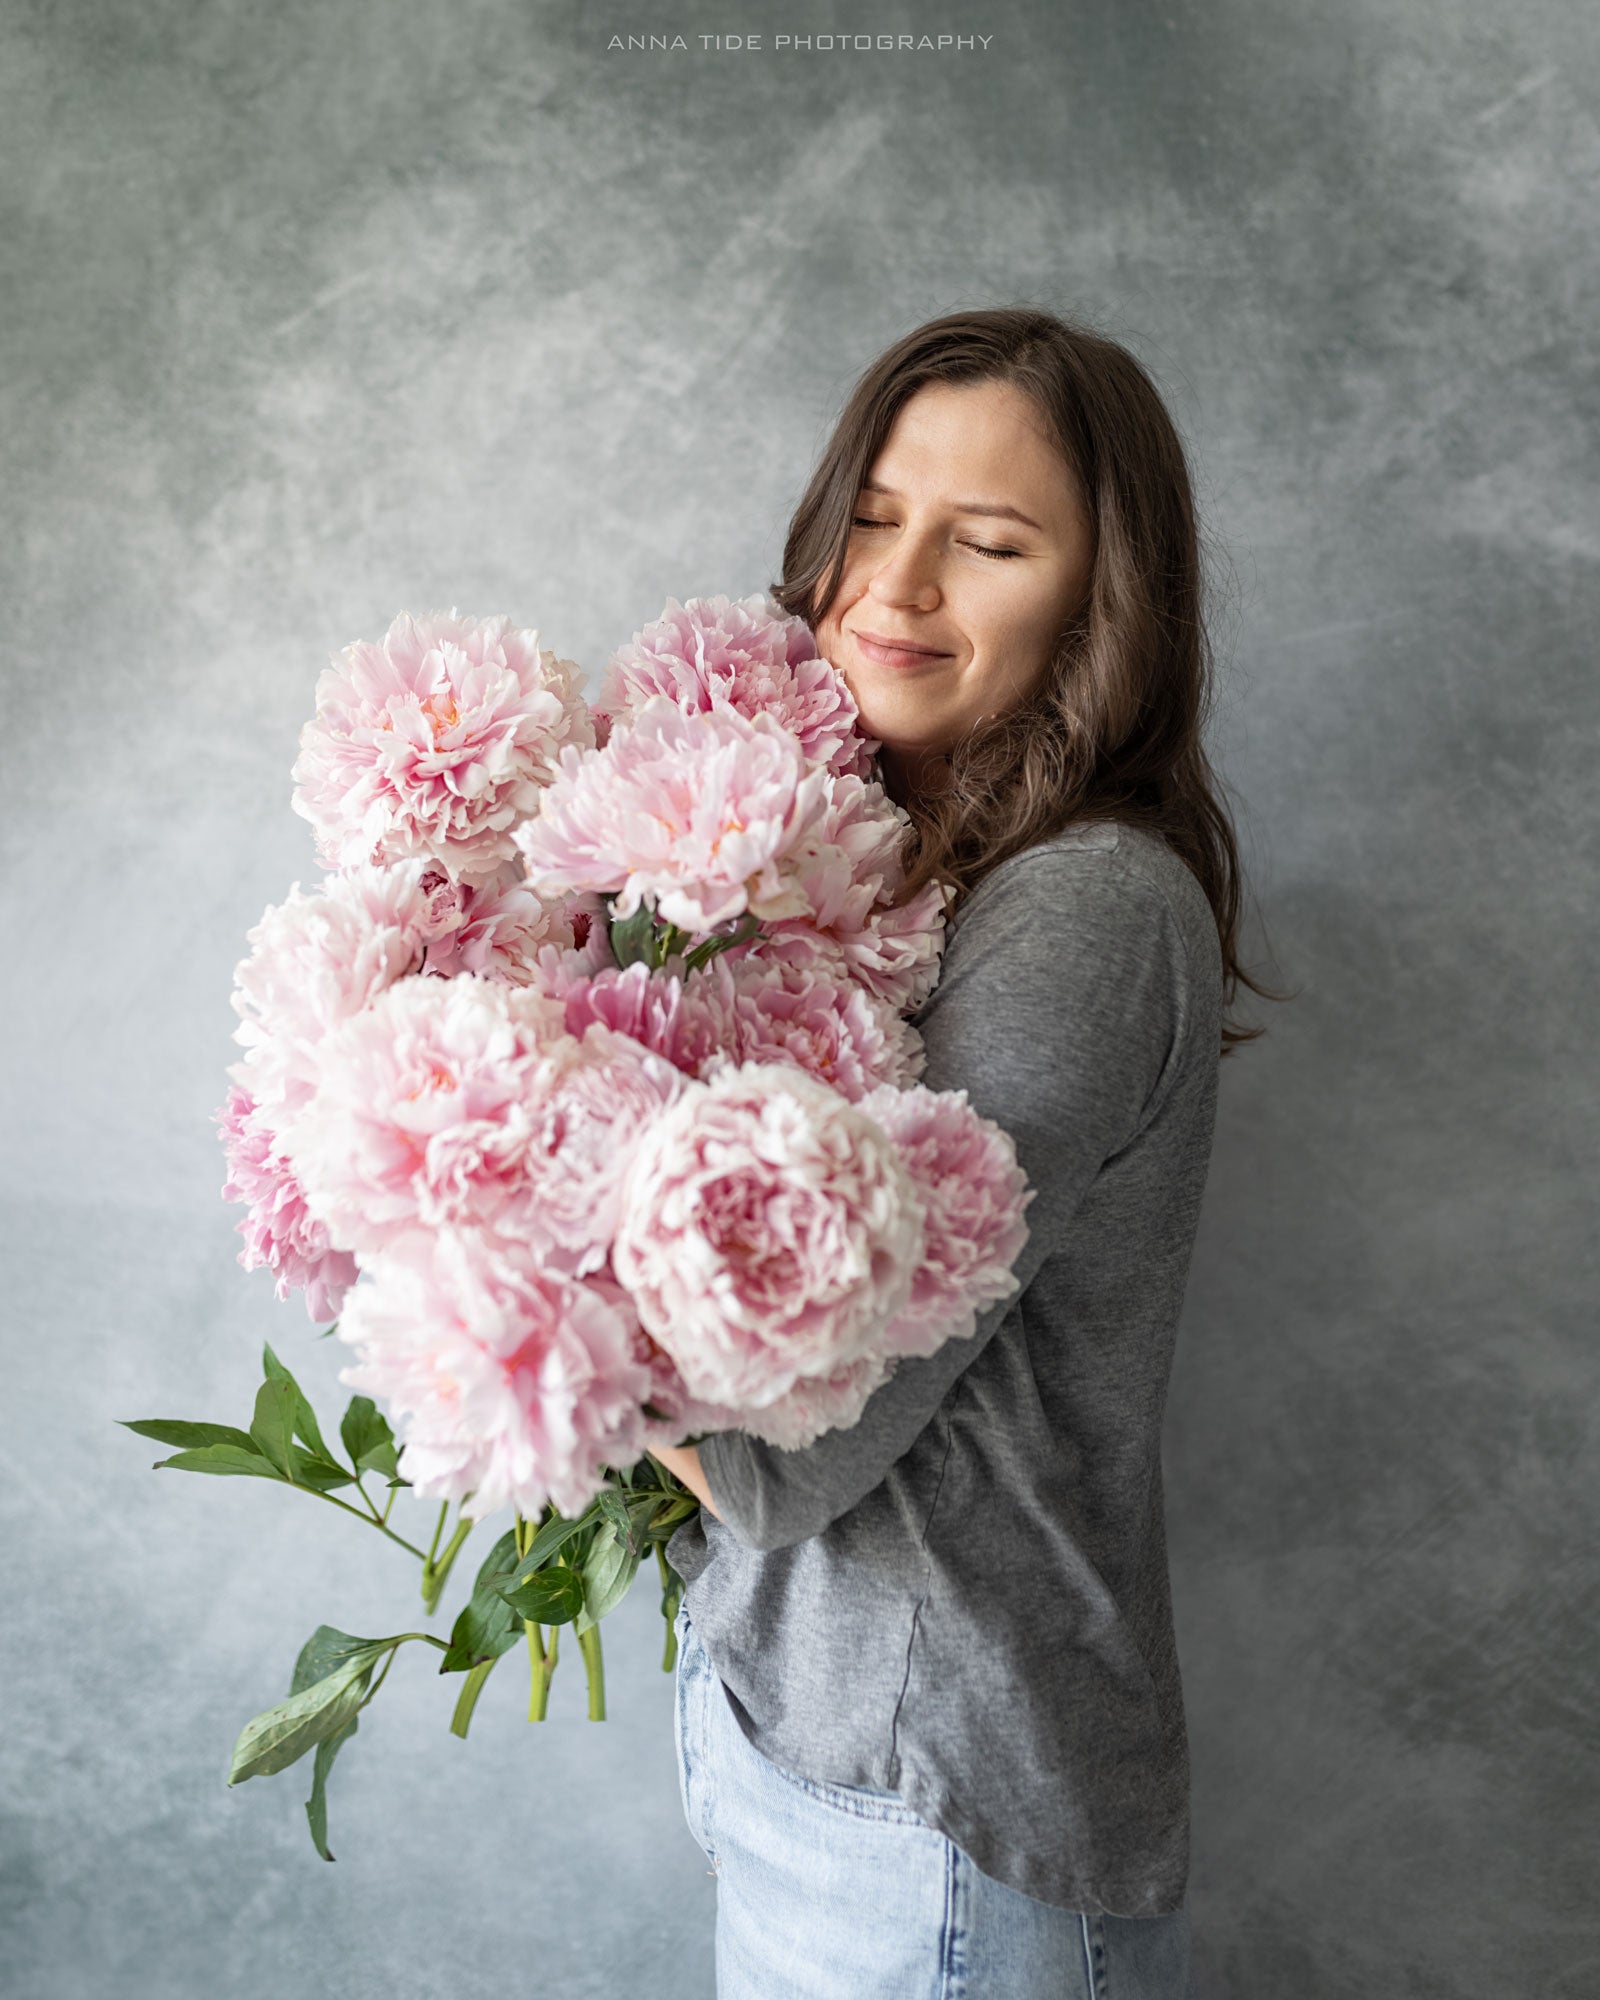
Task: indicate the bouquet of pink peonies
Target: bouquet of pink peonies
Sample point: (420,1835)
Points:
(581,1096)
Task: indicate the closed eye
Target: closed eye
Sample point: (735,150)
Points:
(979,548)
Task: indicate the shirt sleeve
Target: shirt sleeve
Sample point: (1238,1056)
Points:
(1059,1009)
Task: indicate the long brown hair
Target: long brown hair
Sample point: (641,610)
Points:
(1114,731)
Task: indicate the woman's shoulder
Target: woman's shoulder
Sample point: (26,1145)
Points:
(1109,874)
(1097,947)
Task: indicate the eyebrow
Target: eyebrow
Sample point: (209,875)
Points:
(964,506)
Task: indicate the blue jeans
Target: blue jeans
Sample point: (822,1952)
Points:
(832,1892)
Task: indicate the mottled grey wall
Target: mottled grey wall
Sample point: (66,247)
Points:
(317,311)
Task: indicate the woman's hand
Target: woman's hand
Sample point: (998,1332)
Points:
(684,1461)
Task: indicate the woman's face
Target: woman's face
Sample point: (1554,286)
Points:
(950,605)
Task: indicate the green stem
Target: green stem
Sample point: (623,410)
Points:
(395,1644)
(438,1530)
(467,1701)
(383,1672)
(594,1666)
(669,1652)
(435,1574)
(538,1671)
(372,1520)
(540,1664)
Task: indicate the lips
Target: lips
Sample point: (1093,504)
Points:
(890,652)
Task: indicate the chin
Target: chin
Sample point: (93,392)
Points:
(902,742)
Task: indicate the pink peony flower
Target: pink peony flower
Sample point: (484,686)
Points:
(836,1031)
(587,1124)
(815,1404)
(671,1413)
(847,870)
(315,960)
(280,1232)
(556,969)
(424,1109)
(511,1384)
(746,654)
(692,812)
(689,1021)
(499,926)
(973,1194)
(768,1231)
(435,742)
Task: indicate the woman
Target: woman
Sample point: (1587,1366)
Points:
(930,1727)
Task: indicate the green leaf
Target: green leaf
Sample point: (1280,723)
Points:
(608,1570)
(281,1735)
(548,1596)
(555,1535)
(167,1430)
(500,1560)
(320,1474)
(633,938)
(383,1458)
(614,1509)
(667,1519)
(326,1651)
(485,1628)
(502,1565)
(272,1426)
(368,1438)
(629,1517)
(317,1804)
(746,928)
(671,1594)
(225,1459)
(305,1419)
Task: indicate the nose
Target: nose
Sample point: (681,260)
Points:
(907,575)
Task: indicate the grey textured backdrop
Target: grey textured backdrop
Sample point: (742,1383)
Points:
(318,311)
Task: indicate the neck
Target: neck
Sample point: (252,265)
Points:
(912,773)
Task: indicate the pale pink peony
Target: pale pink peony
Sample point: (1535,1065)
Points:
(812,1405)
(424,1109)
(315,960)
(587,1125)
(833,1029)
(746,654)
(973,1194)
(687,1020)
(499,927)
(435,742)
(748,1011)
(693,813)
(280,1232)
(510,1384)
(671,1414)
(557,970)
(847,869)
(768,1231)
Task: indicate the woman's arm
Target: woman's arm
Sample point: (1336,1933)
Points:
(1059,1009)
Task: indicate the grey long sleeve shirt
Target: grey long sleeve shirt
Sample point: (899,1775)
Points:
(964,1597)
